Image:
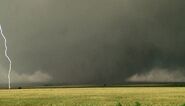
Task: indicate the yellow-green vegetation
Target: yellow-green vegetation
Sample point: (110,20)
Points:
(115,96)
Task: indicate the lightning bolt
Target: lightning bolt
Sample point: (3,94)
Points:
(10,62)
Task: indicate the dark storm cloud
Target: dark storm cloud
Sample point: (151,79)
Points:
(93,41)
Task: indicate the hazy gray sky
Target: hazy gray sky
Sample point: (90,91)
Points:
(93,41)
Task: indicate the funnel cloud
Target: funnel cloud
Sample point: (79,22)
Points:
(95,41)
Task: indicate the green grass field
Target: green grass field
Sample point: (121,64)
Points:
(115,96)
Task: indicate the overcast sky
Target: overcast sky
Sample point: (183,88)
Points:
(93,41)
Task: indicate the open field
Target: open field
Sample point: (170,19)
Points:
(108,96)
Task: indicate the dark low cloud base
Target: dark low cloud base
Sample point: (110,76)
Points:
(94,41)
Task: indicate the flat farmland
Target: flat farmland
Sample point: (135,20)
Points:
(100,96)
